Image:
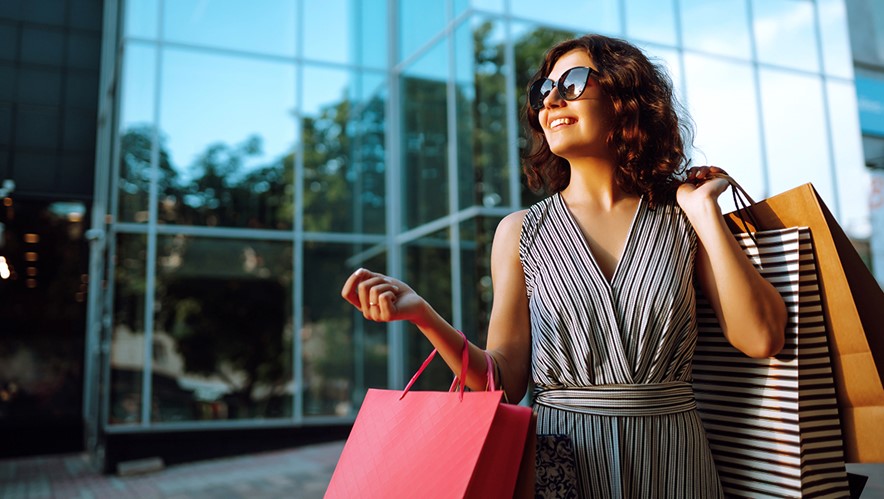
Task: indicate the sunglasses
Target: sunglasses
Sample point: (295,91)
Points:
(570,86)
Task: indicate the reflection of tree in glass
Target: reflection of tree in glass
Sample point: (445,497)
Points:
(223,193)
(233,329)
(220,193)
(344,168)
(227,306)
(487,158)
(529,52)
(136,145)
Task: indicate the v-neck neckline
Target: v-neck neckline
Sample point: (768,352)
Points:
(623,251)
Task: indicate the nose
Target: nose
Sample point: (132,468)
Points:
(553,99)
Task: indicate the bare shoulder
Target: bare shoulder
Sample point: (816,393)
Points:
(506,238)
(510,228)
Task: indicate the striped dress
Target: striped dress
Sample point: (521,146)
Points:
(611,361)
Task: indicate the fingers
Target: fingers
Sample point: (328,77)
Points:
(350,290)
(698,174)
(372,293)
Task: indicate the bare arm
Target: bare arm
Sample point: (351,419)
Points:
(383,299)
(750,310)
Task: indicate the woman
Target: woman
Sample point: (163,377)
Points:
(594,286)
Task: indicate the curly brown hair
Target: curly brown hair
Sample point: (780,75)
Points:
(647,135)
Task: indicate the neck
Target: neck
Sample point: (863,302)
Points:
(593,184)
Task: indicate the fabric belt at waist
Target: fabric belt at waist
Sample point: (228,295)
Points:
(621,400)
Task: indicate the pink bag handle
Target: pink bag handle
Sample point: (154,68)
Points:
(490,363)
(459,380)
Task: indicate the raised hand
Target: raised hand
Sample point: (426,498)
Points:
(703,184)
(382,298)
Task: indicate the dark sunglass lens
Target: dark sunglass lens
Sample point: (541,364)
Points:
(539,90)
(573,82)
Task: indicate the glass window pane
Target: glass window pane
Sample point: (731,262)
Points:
(482,115)
(495,6)
(358,36)
(428,271)
(419,22)
(223,330)
(476,297)
(269,29)
(137,134)
(141,18)
(590,16)
(796,138)
(530,44)
(785,33)
(854,180)
(230,128)
(344,187)
(329,41)
(344,354)
(425,138)
(720,27)
(837,58)
(127,343)
(372,49)
(724,106)
(651,20)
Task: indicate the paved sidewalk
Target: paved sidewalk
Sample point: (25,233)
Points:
(295,473)
(302,473)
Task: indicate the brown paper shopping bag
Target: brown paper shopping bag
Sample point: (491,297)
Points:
(853,306)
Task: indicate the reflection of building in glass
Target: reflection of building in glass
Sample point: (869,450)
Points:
(867,41)
(250,156)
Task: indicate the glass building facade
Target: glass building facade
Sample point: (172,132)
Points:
(252,155)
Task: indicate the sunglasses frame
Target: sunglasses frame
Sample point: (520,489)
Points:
(537,86)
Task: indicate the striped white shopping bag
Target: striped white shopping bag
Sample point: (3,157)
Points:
(773,424)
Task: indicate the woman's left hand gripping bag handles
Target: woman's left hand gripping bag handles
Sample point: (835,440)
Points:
(434,444)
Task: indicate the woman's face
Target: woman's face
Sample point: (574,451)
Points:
(576,128)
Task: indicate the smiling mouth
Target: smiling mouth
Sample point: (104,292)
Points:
(561,122)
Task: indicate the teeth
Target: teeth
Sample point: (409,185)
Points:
(561,121)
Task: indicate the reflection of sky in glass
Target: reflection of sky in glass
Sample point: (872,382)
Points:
(464,50)
(785,33)
(853,178)
(139,68)
(232,24)
(651,20)
(797,147)
(432,65)
(419,21)
(369,86)
(325,86)
(723,103)
(464,58)
(208,98)
(488,5)
(588,16)
(836,42)
(718,27)
(326,21)
(371,45)
(141,18)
